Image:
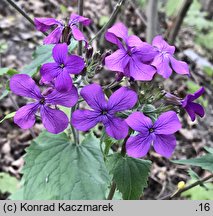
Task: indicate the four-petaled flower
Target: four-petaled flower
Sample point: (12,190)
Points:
(160,133)
(105,111)
(44,24)
(54,120)
(131,56)
(193,108)
(61,69)
(164,60)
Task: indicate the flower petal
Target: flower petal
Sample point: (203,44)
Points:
(77,34)
(55,121)
(167,123)
(140,71)
(145,52)
(84,120)
(194,108)
(63,81)
(94,96)
(119,30)
(179,67)
(54,36)
(160,43)
(116,127)
(60,53)
(192,97)
(75,18)
(164,145)
(138,146)
(161,62)
(49,71)
(44,24)
(134,40)
(25,117)
(116,32)
(24,85)
(117,61)
(122,99)
(67,99)
(139,122)
(74,64)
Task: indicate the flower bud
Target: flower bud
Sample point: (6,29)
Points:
(181,185)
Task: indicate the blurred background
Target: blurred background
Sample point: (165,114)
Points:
(188,24)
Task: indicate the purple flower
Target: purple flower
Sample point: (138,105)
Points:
(131,55)
(44,24)
(54,120)
(193,108)
(61,69)
(164,60)
(159,133)
(104,111)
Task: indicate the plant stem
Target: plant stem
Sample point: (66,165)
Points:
(179,192)
(74,132)
(112,191)
(111,19)
(179,20)
(80,12)
(22,12)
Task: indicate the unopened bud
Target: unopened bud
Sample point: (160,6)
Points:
(89,52)
(104,55)
(97,56)
(181,185)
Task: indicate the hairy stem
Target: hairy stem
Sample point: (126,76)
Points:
(80,12)
(22,12)
(112,191)
(179,192)
(111,20)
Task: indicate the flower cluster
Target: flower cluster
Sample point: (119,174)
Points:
(121,114)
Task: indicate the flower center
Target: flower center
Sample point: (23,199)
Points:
(62,65)
(151,130)
(103,112)
(42,101)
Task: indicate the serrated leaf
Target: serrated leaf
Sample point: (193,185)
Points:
(205,162)
(42,54)
(8,116)
(129,174)
(55,168)
(8,183)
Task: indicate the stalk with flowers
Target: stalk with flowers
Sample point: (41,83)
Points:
(69,160)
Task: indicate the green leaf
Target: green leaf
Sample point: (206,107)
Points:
(172,7)
(208,149)
(42,54)
(129,174)
(193,174)
(199,192)
(8,71)
(8,116)
(55,168)
(103,20)
(73,44)
(205,162)
(8,183)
